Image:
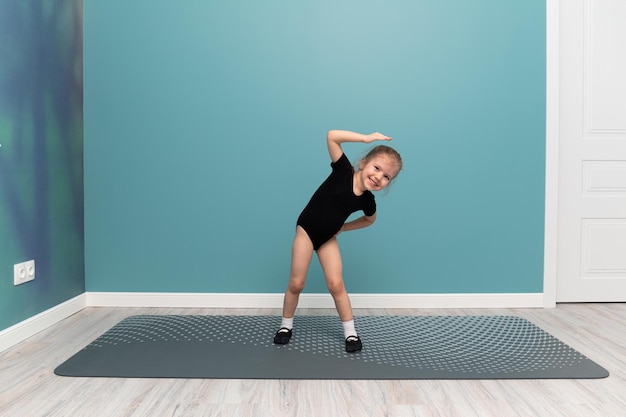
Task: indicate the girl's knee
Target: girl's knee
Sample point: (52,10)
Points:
(295,286)
(336,288)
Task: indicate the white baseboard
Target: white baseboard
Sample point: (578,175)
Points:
(30,327)
(27,328)
(239,300)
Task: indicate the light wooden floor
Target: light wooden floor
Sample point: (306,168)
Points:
(28,387)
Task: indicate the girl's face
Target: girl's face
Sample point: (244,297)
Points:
(378,172)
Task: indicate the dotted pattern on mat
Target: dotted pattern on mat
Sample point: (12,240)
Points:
(466,344)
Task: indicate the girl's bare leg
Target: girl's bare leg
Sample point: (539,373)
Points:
(330,259)
(301,254)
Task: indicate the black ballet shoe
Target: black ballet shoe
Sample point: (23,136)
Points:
(353,344)
(283,335)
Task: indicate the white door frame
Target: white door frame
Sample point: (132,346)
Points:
(552,154)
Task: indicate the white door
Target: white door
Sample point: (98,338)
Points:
(591,261)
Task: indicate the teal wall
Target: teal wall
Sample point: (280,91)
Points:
(41,157)
(205,124)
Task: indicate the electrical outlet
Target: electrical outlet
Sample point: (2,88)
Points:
(23,272)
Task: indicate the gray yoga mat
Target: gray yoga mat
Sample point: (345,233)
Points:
(394,347)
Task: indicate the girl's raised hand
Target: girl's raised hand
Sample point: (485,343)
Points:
(375,136)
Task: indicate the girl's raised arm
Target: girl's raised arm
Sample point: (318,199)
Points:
(335,138)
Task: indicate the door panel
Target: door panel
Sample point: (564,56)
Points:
(591,264)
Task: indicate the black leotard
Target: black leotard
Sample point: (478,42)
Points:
(333,202)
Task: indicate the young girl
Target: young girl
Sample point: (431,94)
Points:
(344,192)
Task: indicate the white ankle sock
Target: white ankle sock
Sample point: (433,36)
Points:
(348,328)
(287,322)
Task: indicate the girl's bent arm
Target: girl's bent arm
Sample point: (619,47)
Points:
(361,222)
(335,138)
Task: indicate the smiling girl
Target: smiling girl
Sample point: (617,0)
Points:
(344,192)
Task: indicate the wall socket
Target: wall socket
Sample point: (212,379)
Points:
(23,272)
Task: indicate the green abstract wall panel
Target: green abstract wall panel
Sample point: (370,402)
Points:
(41,157)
